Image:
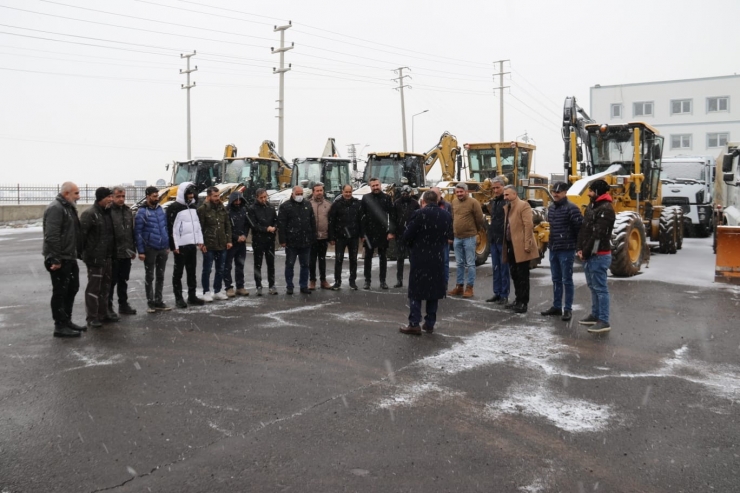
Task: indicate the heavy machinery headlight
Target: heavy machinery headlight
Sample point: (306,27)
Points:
(404,180)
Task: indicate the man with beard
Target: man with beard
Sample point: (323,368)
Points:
(521,246)
(378,228)
(152,242)
(263,221)
(186,238)
(404,207)
(216,226)
(237,254)
(123,228)
(344,233)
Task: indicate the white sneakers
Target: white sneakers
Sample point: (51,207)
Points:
(220,296)
(207,297)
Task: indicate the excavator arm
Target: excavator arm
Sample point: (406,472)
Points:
(267,150)
(574,136)
(330,149)
(446,152)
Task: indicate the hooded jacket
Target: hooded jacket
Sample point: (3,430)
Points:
(344,219)
(123,229)
(296,224)
(62,238)
(595,237)
(238,217)
(565,223)
(183,221)
(216,225)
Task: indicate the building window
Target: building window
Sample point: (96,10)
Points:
(643,108)
(617,110)
(718,139)
(718,104)
(680,107)
(681,141)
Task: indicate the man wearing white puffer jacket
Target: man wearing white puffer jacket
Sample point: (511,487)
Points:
(186,238)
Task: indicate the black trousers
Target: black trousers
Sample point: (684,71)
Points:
(266,250)
(402,253)
(369,263)
(235,256)
(155,262)
(186,260)
(352,244)
(119,281)
(65,282)
(97,290)
(519,275)
(318,253)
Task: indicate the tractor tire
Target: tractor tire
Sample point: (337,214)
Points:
(482,248)
(628,244)
(679,226)
(667,234)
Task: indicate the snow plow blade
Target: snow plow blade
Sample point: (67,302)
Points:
(727,267)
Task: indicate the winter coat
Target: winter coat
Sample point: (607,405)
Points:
(344,219)
(260,218)
(321,216)
(238,217)
(62,236)
(296,224)
(565,222)
(426,234)
(123,229)
(183,221)
(496,228)
(596,231)
(378,219)
(98,236)
(150,229)
(404,208)
(215,224)
(519,221)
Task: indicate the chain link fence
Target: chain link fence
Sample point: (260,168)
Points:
(19,194)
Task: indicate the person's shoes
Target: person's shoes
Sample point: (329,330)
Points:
(426,328)
(161,307)
(305,291)
(383,285)
(150,307)
(567,315)
(457,291)
(273,290)
(180,303)
(79,328)
(399,284)
(207,297)
(288,290)
(502,301)
(353,285)
(126,309)
(325,285)
(590,320)
(312,285)
(111,317)
(336,286)
(493,299)
(520,308)
(411,329)
(366,285)
(242,292)
(94,324)
(259,291)
(194,300)
(229,293)
(510,306)
(220,296)
(552,311)
(62,330)
(468,293)
(599,327)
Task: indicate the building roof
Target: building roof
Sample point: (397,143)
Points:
(599,86)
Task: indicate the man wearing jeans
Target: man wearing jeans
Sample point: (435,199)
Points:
(216,227)
(152,243)
(594,249)
(467,220)
(565,223)
(297,232)
(501,284)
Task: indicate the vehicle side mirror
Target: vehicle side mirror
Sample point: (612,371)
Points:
(729,178)
(727,163)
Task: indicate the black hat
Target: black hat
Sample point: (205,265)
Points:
(600,187)
(102,193)
(560,186)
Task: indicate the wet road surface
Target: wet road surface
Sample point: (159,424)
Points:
(321,392)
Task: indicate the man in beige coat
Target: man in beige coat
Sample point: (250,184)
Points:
(521,246)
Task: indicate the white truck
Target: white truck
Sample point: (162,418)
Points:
(688,182)
(727,193)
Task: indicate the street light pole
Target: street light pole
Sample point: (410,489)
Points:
(412,128)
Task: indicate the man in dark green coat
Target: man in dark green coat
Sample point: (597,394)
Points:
(216,227)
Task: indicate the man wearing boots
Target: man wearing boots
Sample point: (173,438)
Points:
(152,242)
(123,228)
(521,246)
(99,247)
(378,228)
(186,238)
(404,207)
(237,254)
(297,231)
(263,221)
(62,247)
(496,241)
(321,208)
(216,226)
(344,233)
(467,220)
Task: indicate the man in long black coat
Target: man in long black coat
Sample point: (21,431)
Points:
(378,228)
(426,236)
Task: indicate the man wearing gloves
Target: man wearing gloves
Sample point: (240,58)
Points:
(216,226)
(186,238)
(237,254)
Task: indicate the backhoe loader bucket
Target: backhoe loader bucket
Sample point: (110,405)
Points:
(727,268)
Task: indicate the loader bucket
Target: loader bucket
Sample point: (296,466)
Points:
(727,267)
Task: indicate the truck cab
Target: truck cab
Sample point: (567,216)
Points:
(727,191)
(688,182)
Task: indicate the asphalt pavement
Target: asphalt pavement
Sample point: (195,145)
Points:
(322,393)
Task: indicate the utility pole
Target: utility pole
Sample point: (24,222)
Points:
(188,86)
(501,88)
(352,154)
(400,87)
(281,71)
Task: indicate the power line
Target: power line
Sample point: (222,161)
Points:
(84,44)
(88,76)
(525,104)
(200,12)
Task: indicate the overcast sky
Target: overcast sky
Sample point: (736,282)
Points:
(90,90)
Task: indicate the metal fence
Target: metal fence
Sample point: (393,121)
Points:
(43,194)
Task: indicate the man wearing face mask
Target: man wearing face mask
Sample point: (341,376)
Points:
(99,248)
(344,233)
(186,238)
(297,232)
(521,246)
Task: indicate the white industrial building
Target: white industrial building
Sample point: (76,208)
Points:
(695,116)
